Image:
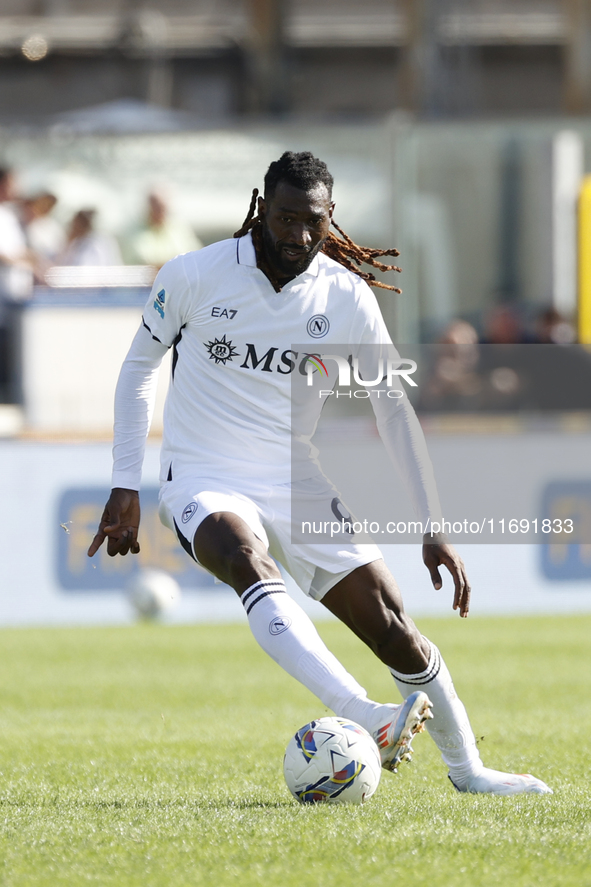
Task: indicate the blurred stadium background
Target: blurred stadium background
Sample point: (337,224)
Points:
(458,130)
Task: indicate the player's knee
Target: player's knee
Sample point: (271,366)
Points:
(245,564)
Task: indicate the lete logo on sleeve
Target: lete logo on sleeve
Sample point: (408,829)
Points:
(159,303)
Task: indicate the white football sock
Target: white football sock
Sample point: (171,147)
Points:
(450,727)
(288,635)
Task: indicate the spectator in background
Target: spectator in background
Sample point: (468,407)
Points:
(552,328)
(162,237)
(45,235)
(504,326)
(458,332)
(453,381)
(15,270)
(85,246)
(15,275)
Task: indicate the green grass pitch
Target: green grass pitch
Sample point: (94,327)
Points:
(152,756)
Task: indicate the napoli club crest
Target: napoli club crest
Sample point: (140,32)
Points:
(318,326)
(189,511)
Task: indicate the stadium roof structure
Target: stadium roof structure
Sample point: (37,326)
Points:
(357,58)
(307,27)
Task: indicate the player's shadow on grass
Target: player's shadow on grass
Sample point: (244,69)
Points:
(196,803)
(243,804)
(143,803)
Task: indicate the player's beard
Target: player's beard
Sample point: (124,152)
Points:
(283,267)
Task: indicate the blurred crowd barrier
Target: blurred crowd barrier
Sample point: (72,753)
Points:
(72,345)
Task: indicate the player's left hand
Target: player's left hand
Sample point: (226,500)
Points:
(436,554)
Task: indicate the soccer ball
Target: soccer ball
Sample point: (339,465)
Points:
(332,760)
(151,592)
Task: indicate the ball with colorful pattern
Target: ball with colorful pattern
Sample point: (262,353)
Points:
(334,761)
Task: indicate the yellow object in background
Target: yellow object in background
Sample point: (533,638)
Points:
(584,321)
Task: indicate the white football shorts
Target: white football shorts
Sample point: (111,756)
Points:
(315,567)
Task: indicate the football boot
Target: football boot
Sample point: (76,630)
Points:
(398,725)
(494,782)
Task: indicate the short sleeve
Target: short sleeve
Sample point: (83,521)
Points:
(171,300)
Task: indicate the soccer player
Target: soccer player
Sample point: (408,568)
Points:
(232,313)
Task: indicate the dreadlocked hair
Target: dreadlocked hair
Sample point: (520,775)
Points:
(302,170)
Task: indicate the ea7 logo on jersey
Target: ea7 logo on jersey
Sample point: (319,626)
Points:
(220,350)
(230,313)
(159,303)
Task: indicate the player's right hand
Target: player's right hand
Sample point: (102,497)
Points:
(119,524)
(436,554)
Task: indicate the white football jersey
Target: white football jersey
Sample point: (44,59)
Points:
(231,411)
(229,405)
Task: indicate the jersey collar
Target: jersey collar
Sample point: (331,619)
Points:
(245,255)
